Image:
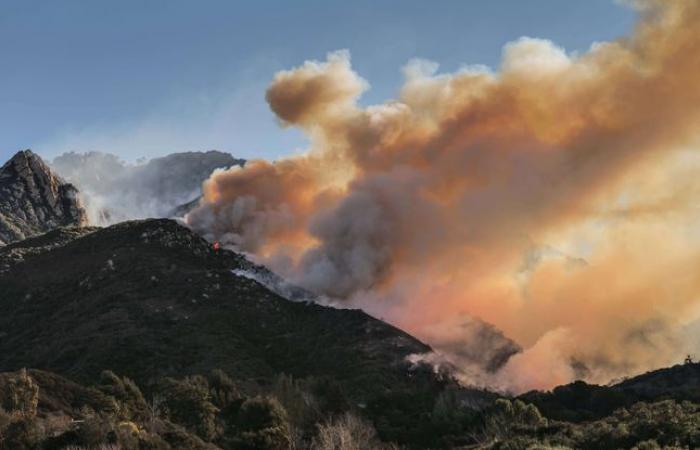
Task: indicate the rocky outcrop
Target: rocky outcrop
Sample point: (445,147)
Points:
(33,200)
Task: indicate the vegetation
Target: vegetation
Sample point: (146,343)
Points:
(41,410)
(196,357)
(195,412)
(164,308)
(660,425)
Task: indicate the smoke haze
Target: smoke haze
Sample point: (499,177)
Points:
(114,191)
(553,200)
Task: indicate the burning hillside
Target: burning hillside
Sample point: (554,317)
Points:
(552,199)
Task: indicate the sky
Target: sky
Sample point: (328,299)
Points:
(143,78)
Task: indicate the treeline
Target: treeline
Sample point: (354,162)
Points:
(39,410)
(663,425)
(214,411)
(195,412)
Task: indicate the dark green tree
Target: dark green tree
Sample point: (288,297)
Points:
(262,425)
(188,403)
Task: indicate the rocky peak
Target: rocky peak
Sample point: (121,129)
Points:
(34,200)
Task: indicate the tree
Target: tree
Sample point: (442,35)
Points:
(188,403)
(222,388)
(262,425)
(131,405)
(348,432)
(506,418)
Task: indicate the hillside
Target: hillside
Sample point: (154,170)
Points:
(580,401)
(34,200)
(151,299)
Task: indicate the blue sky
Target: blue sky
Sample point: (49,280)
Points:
(146,78)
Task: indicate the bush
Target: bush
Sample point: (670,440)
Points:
(507,419)
(23,434)
(187,403)
(262,425)
(5,420)
(22,394)
(130,403)
(223,390)
(96,430)
(302,407)
(348,432)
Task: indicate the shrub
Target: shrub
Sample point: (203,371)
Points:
(262,425)
(5,420)
(222,388)
(22,394)
(131,404)
(506,419)
(187,403)
(23,434)
(96,430)
(302,407)
(348,432)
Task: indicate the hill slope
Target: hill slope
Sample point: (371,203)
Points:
(581,401)
(150,298)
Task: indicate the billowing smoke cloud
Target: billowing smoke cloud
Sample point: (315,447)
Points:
(553,199)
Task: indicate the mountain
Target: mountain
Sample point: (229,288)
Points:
(34,200)
(115,191)
(681,382)
(580,401)
(142,335)
(154,287)
(150,299)
(183,209)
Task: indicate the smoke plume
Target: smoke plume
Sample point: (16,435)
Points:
(115,191)
(553,199)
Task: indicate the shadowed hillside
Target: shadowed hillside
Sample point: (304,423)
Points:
(151,298)
(581,401)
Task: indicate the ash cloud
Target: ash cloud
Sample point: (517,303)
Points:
(424,208)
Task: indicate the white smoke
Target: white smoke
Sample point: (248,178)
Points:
(113,190)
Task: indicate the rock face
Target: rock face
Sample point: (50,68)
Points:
(34,200)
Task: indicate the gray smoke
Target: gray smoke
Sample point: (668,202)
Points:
(114,191)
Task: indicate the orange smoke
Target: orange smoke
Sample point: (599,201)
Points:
(553,199)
